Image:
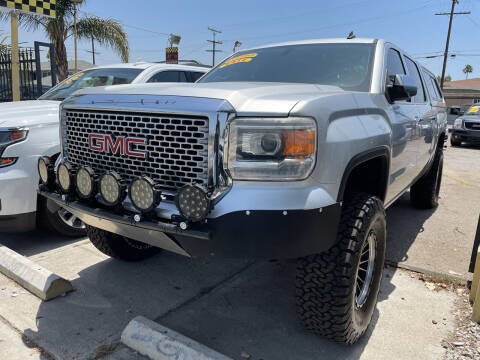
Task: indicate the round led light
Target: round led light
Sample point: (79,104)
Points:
(143,194)
(112,189)
(193,203)
(45,171)
(65,175)
(85,182)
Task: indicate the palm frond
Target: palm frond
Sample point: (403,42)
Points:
(108,32)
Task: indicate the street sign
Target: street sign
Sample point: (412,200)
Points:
(37,7)
(171,55)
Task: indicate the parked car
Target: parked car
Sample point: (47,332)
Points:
(466,128)
(290,150)
(29,129)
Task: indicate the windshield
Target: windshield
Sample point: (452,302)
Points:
(91,78)
(474,110)
(348,66)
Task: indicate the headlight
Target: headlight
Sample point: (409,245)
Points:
(458,124)
(9,137)
(271,149)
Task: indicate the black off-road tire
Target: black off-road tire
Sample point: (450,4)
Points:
(425,192)
(326,283)
(120,247)
(455,143)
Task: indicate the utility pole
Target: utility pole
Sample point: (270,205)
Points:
(214,42)
(15,58)
(445,56)
(93,52)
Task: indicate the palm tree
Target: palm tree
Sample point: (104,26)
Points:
(107,32)
(467,70)
(3,45)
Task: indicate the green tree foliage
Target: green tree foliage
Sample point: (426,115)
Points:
(468,69)
(107,32)
(447,78)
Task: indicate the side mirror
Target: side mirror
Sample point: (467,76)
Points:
(401,87)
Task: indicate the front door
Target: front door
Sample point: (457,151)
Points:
(404,147)
(425,117)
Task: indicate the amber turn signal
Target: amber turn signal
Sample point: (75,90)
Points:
(298,143)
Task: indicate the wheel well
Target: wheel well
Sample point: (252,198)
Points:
(441,140)
(369,176)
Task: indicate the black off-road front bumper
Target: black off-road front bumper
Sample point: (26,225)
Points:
(253,234)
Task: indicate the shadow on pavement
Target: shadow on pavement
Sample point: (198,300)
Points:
(404,223)
(34,242)
(229,305)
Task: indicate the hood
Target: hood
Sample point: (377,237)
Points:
(470,117)
(246,98)
(28,113)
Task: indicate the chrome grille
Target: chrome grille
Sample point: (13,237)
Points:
(472,125)
(177,145)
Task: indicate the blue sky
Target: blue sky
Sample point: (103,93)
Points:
(411,24)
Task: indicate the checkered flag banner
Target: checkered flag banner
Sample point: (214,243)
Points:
(37,7)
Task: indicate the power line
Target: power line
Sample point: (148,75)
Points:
(383,17)
(445,55)
(214,42)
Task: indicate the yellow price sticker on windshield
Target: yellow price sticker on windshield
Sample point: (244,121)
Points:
(473,109)
(73,78)
(240,59)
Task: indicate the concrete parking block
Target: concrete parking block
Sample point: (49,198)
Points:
(161,343)
(36,279)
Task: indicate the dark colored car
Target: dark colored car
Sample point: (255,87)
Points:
(466,128)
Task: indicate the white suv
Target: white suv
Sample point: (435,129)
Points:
(29,129)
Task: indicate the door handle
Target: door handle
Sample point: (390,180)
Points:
(419,118)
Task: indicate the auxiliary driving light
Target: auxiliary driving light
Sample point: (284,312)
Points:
(193,203)
(145,197)
(85,182)
(46,171)
(112,188)
(65,176)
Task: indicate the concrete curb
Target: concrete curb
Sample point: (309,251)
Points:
(160,343)
(420,270)
(36,279)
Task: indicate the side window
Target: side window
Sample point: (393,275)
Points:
(433,88)
(413,71)
(430,86)
(437,87)
(165,76)
(394,63)
(183,77)
(196,75)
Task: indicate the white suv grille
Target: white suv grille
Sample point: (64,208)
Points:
(177,145)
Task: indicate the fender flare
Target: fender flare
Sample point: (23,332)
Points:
(382,152)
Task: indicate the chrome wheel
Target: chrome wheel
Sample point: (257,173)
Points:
(365,269)
(70,220)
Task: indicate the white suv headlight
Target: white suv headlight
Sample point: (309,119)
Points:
(458,124)
(276,149)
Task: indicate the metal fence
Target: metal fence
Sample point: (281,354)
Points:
(30,73)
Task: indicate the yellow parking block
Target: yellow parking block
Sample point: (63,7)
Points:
(475,290)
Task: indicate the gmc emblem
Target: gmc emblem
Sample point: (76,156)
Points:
(120,145)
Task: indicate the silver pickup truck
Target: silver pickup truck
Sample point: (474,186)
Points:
(290,150)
